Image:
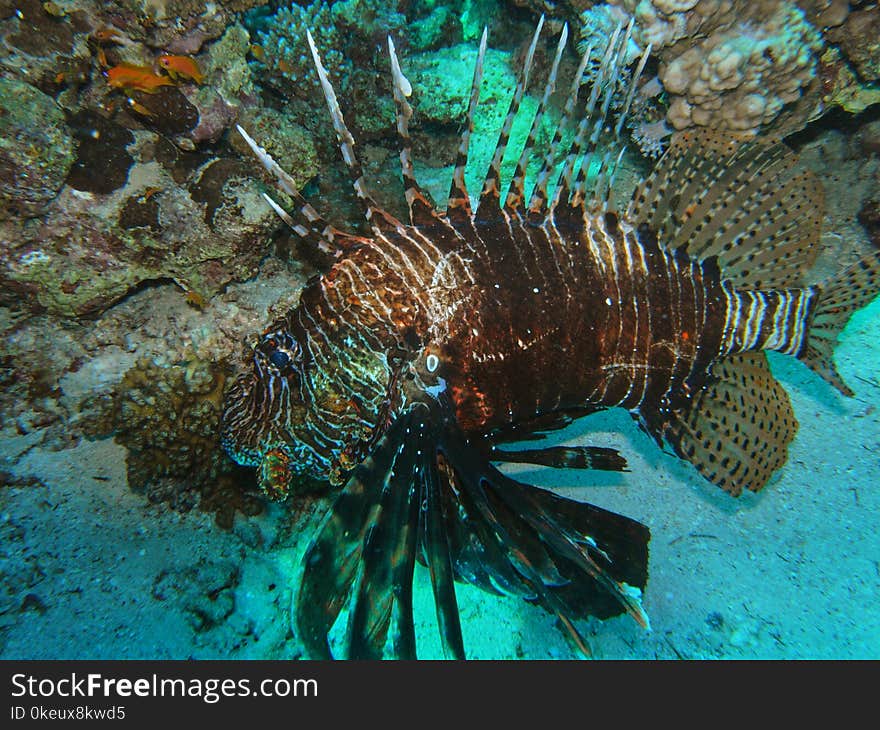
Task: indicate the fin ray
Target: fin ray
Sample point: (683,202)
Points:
(853,288)
(306,222)
(437,556)
(739,202)
(377,589)
(491,193)
(373,213)
(421,211)
(515,199)
(565,457)
(737,428)
(459,204)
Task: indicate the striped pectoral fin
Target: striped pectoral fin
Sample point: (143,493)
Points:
(566,457)
(576,559)
(389,557)
(363,542)
(736,429)
(435,544)
(330,567)
(606,554)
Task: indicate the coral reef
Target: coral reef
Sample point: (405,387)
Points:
(291,145)
(742,78)
(850,174)
(118,187)
(357,26)
(842,87)
(350,35)
(46,50)
(770,66)
(34,157)
(850,69)
(859,41)
(178,26)
(168,418)
(869,217)
(725,64)
(136,209)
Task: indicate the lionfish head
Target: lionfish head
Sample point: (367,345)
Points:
(264,410)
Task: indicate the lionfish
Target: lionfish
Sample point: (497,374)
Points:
(429,344)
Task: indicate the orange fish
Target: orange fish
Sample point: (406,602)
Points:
(181,66)
(111,36)
(129,77)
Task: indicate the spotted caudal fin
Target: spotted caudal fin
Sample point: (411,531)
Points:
(840,296)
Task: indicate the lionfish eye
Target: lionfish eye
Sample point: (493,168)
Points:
(279,350)
(279,359)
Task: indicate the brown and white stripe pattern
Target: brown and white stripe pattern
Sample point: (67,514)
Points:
(766,320)
(661,307)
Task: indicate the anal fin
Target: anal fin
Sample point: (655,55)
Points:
(737,428)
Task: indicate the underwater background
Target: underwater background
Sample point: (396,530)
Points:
(137,259)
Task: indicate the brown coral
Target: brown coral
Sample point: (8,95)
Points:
(136,209)
(168,418)
(730,64)
(859,40)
